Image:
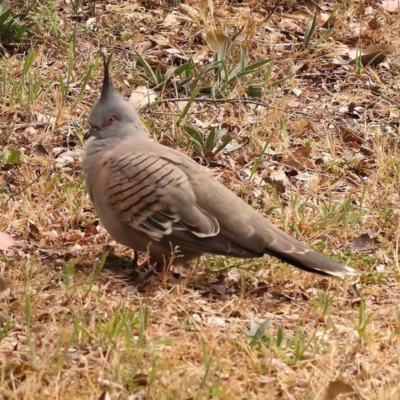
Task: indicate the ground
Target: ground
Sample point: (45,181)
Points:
(308,136)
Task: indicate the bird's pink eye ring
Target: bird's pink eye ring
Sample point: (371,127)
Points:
(110,120)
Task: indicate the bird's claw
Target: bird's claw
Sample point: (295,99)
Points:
(142,272)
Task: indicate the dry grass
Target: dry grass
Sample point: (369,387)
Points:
(70,327)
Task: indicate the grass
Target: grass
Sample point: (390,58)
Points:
(72,325)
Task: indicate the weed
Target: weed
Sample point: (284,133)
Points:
(13,28)
(363,321)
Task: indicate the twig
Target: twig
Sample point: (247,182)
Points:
(19,126)
(244,101)
(277,2)
(215,101)
(26,187)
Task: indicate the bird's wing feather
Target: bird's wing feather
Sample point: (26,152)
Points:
(152,195)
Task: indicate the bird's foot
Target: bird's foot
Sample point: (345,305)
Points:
(141,273)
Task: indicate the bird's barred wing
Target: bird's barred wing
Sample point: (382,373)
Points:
(152,195)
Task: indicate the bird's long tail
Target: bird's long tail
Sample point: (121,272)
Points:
(288,249)
(312,261)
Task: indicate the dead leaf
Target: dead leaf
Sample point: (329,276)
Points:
(329,19)
(374,55)
(213,320)
(218,288)
(364,243)
(349,136)
(40,151)
(278,180)
(176,52)
(304,176)
(290,25)
(304,228)
(355,292)
(142,96)
(375,24)
(105,396)
(4,283)
(337,388)
(140,379)
(33,230)
(234,274)
(200,55)
(6,241)
(224,12)
(322,18)
(90,22)
(170,20)
(216,39)
(182,270)
(75,248)
(299,157)
(380,268)
(189,11)
(143,46)
(181,104)
(293,104)
(67,157)
(90,230)
(297,92)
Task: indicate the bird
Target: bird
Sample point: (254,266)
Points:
(155,199)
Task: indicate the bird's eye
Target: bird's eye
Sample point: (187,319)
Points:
(110,120)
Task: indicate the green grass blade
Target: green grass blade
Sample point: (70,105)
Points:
(147,67)
(188,105)
(309,31)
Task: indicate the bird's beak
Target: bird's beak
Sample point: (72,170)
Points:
(88,134)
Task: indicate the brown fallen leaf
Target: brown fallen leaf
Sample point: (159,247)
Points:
(375,24)
(329,19)
(304,228)
(290,25)
(364,243)
(218,288)
(33,231)
(299,157)
(170,20)
(90,230)
(338,388)
(104,396)
(278,180)
(143,46)
(142,96)
(293,104)
(4,283)
(201,54)
(189,11)
(374,55)
(140,379)
(224,12)
(216,39)
(349,136)
(40,151)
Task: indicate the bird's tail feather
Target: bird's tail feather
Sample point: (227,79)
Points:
(311,261)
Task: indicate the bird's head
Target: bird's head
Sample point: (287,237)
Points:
(112,115)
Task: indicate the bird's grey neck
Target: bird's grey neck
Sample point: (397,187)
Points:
(98,145)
